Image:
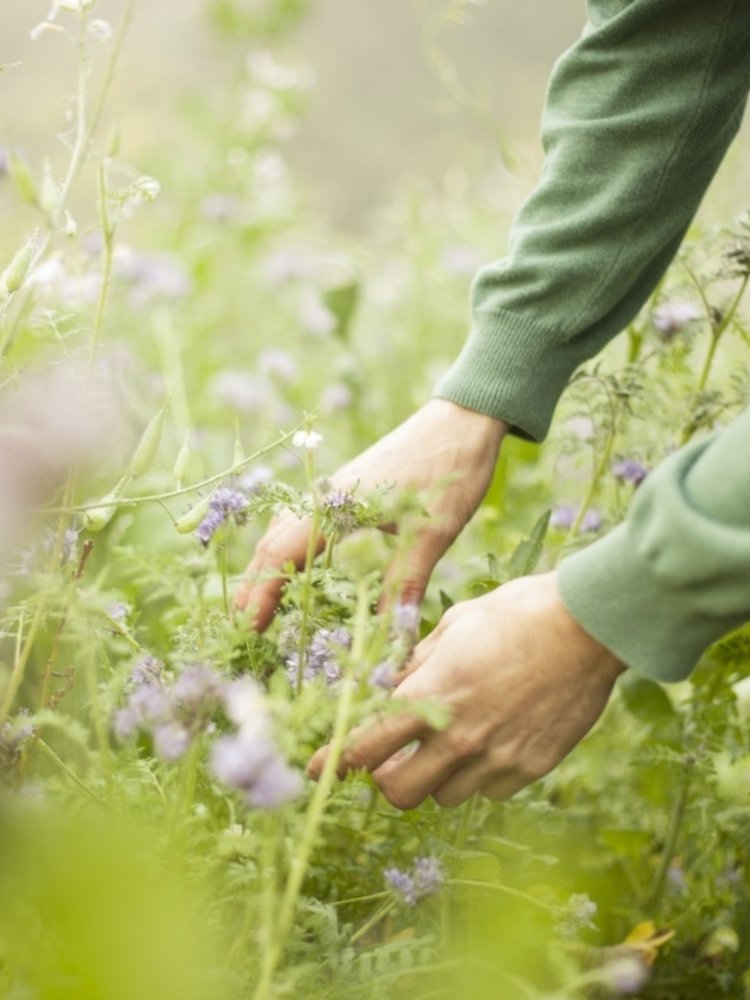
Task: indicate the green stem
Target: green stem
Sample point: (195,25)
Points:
(497,887)
(182,491)
(225,575)
(675,825)
(301,856)
(107,234)
(21,659)
(307,587)
(601,468)
(67,771)
(374,920)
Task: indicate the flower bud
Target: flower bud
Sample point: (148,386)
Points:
(23,179)
(182,462)
(17,271)
(148,446)
(96,518)
(193,518)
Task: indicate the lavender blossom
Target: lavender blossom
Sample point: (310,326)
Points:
(384,674)
(564,517)
(402,883)
(14,736)
(672,317)
(249,760)
(171,740)
(406,619)
(226,505)
(340,510)
(320,657)
(424,879)
(628,470)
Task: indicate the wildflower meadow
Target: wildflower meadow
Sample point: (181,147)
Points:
(187,349)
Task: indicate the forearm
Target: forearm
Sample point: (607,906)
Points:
(675,576)
(639,115)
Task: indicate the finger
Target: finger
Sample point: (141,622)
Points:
(371,746)
(285,541)
(504,787)
(410,572)
(462,784)
(407,781)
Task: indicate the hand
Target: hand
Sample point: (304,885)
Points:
(523,683)
(441,445)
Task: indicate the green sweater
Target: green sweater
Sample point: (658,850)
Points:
(639,115)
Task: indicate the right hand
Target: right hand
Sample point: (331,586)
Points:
(443,448)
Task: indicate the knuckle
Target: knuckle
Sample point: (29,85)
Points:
(355,759)
(462,746)
(396,795)
(447,799)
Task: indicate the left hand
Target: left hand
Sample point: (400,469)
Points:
(523,683)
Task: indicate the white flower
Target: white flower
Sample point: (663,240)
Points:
(74,6)
(307,439)
(100,29)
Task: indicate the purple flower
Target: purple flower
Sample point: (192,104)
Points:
(406,619)
(428,876)
(340,509)
(119,612)
(591,521)
(249,760)
(147,670)
(671,317)
(563,517)
(321,656)
(384,674)
(226,505)
(424,879)
(171,740)
(151,276)
(628,470)
(402,883)
(196,685)
(14,736)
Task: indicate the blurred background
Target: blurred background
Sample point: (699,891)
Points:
(380,111)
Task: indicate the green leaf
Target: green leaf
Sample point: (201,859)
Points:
(647,701)
(528,552)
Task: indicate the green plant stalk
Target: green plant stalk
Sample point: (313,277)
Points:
(601,468)
(182,491)
(312,546)
(21,659)
(68,772)
(466,818)
(301,855)
(675,825)
(506,890)
(108,248)
(374,920)
(225,574)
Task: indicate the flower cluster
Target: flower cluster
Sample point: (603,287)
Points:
(322,656)
(339,513)
(564,517)
(628,470)
(173,714)
(226,505)
(249,759)
(672,317)
(14,737)
(424,879)
(404,635)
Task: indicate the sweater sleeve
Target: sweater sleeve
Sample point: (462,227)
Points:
(638,117)
(675,575)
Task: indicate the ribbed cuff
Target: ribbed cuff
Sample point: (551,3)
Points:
(513,369)
(613,592)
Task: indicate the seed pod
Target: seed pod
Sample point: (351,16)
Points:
(192,519)
(17,271)
(148,446)
(182,462)
(23,179)
(239,452)
(99,517)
